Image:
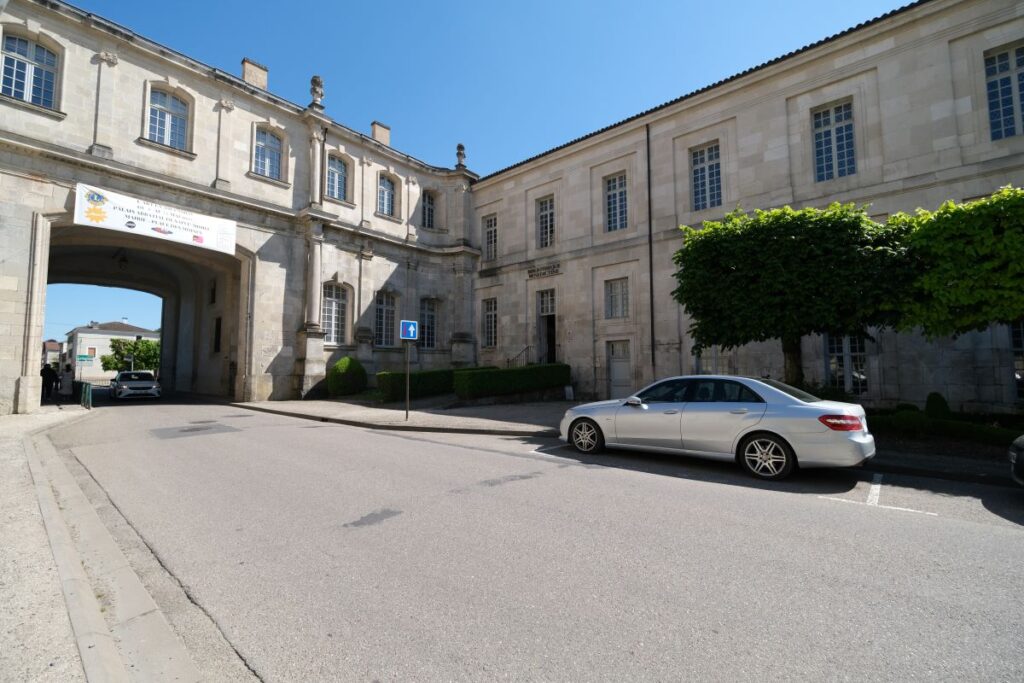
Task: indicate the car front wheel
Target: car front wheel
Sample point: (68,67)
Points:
(585,436)
(766,456)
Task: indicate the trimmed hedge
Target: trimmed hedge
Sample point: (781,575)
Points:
(918,424)
(424,383)
(935,407)
(500,381)
(346,377)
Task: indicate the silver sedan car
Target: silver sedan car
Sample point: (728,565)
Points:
(767,426)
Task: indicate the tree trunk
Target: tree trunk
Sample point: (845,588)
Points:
(794,368)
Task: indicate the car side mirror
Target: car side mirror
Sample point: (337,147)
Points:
(634,401)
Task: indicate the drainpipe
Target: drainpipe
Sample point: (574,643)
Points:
(650,251)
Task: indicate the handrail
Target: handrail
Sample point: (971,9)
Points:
(520,359)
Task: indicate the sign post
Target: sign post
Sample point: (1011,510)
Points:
(409,330)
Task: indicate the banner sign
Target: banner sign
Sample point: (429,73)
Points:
(105,209)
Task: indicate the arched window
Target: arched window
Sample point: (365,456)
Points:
(29,72)
(168,119)
(337,179)
(386,196)
(334,313)
(428,210)
(267,156)
(384,327)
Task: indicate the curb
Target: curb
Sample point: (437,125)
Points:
(545,433)
(870,466)
(137,636)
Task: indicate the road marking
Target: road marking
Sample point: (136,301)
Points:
(885,507)
(546,449)
(875,490)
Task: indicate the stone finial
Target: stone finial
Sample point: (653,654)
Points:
(460,156)
(316,89)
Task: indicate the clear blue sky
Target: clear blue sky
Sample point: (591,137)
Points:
(509,80)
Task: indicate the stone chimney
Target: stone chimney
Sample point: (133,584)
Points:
(254,74)
(381,133)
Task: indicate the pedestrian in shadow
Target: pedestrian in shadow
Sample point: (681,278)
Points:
(67,383)
(50,379)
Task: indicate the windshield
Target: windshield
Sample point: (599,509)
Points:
(798,394)
(135,377)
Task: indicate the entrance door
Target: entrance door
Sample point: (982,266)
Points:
(620,369)
(547,345)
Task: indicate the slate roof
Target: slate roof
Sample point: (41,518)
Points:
(117,326)
(823,41)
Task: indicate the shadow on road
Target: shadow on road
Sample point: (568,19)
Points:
(102,400)
(815,481)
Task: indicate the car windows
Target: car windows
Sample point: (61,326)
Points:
(135,377)
(734,392)
(669,391)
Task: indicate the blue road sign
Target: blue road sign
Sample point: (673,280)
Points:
(409,330)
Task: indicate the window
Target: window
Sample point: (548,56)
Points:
(1004,77)
(337,179)
(213,292)
(546,302)
(489,323)
(615,202)
(545,222)
(92,351)
(833,142)
(428,324)
(386,196)
(490,237)
(1017,337)
(428,210)
(30,72)
(268,154)
(846,364)
(216,335)
(333,313)
(168,119)
(669,391)
(384,327)
(706,170)
(616,298)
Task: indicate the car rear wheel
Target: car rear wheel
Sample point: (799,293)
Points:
(766,456)
(585,436)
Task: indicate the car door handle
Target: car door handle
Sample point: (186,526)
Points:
(740,411)
(671,412)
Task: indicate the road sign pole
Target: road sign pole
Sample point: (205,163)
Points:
(406,381)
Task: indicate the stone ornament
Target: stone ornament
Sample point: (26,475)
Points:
(108,58)
(316,89)
(460,156)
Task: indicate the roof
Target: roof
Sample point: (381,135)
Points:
(712,86)
(113,327)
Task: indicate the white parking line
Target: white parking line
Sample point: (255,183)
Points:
(547,449)
(884,507)
(875,491)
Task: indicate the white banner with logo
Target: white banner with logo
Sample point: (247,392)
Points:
(105,209)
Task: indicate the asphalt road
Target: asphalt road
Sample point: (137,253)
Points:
(325,552)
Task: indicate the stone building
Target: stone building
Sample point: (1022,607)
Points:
(905,111)
(87,344)
(332,235)
(280,239)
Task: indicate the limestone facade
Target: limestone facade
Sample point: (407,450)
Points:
(121,113)
(905,106)
(565,256)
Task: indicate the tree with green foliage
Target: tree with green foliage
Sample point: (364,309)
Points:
(969,260)
(145,351)
(785,273)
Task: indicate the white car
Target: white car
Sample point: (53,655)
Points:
(134,383)
(767,426)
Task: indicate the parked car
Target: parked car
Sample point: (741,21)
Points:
(134,383)
(1017,460)
(767,426)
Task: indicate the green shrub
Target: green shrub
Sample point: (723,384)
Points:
(346,377)
(969,431)
(935,406)
(500,381)
(910,423)
(425,383)
(901,407)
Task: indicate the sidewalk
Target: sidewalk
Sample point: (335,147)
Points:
(36,640)
(541,420)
